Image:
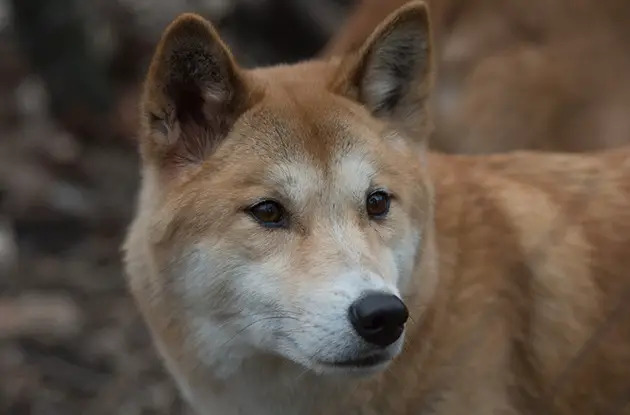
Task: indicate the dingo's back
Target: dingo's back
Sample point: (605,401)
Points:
(520,74)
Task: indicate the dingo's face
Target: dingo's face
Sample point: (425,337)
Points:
(283,209)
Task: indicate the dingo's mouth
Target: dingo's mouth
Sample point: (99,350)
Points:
(364,362)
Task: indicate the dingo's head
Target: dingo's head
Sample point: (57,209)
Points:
(283,209)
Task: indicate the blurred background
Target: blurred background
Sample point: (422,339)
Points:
(515,74)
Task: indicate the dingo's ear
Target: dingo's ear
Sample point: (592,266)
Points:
(193,93)
(391,74)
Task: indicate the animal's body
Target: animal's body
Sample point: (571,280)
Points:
(296,249)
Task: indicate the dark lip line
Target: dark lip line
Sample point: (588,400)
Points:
(368,361)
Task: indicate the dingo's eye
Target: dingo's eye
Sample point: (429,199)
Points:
(377,204)
(269,214)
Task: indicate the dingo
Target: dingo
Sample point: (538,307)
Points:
(297,251)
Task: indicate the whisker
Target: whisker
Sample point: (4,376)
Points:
(241,331)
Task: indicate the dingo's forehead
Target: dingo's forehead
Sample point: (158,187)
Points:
(299,143)
(318,125)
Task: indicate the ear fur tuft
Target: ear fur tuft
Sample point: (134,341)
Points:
(193,93)
(392,73)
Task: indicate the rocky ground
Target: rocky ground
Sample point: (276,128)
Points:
(71,341)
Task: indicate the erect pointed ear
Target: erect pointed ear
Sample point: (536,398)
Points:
(392,73)
(193,93)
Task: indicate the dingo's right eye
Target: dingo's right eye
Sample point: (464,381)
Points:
(269,214)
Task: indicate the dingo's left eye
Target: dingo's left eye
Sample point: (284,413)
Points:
(269,213)
(377,204)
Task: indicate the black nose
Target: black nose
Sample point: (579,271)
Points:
(379,318)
